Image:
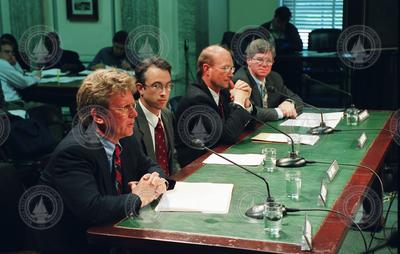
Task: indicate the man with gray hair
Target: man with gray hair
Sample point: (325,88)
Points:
(272,99)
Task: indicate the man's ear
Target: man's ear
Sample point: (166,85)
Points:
(140,88)
(96,117)
(248,59)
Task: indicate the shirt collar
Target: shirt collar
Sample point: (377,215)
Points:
(151,118)
(214,95)
(109,147)
(259,82)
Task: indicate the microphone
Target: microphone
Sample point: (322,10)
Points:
(307,77)
(257,210)
(318,130)
(293,160)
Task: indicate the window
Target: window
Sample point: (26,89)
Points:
(309,15)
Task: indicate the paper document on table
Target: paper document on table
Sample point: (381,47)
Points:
(53,72)
(248,159)
(197,197)
(61,79)
(280,138)
(314,119)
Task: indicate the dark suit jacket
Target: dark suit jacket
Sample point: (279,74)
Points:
(234,123)
(82,177)
(274,98)
(143,137)
(69,61)
(292,36)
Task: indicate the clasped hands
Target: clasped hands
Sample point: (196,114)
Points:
(240,94)
(148,188)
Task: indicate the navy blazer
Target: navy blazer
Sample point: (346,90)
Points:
(81,174)
(274,98)
(143,137)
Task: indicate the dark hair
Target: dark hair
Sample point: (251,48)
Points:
(10,38)
(283,13)
(145,64)
(6,42)
(120,37)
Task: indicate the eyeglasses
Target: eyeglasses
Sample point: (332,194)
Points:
(126,109)
(228,69)
(160,87)
(267,61)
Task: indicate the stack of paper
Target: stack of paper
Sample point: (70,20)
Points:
(314,119)
(280,138)
(249,159)
(197,197)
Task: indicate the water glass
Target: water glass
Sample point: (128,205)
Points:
(352,116)
(269,159)
(273,219)
(293,184)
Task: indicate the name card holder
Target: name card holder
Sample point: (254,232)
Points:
(332,170)
(306,238)
(363,115)
(361,140)
(323,193)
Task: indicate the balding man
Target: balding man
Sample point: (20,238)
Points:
(215,71)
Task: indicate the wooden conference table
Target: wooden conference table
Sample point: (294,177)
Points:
(184,232)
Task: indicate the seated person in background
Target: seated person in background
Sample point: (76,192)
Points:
(100,176)
(286,35)
(67,62)
(215,70)
(113,56)
(154,125)
(270,105)
(13,80)
(21,59)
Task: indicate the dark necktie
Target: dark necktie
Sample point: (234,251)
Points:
(117,169)
(161,148)
(221,108)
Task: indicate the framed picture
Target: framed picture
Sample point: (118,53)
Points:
(82,10)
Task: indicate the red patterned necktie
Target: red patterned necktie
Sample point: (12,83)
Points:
(221,108)
(117,169)
(161,148)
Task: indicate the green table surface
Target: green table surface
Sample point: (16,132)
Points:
(249,190)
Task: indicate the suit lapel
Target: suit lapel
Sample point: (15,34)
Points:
(144,132)
(257,98)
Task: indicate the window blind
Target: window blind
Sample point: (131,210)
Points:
(308,15)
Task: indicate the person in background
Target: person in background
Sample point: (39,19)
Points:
(100,176)
(114,56)
(271,105)
(13,80)
(20,58)
(215,70)
(154,125)
(67,62)
(286,35)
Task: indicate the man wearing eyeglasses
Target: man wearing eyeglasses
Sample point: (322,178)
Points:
(215,71)
(271,105)
(100,175)
(154,125)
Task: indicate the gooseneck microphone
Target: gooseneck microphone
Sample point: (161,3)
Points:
(256,211)
(293,160)
(307,77)
(318,130)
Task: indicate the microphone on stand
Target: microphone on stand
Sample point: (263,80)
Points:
(307,77)
(257,210)
(318,130)
(293,160)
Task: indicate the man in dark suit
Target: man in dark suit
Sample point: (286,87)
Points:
(154,84)
(100,176)
(65,60)
(215,70)
(271,105)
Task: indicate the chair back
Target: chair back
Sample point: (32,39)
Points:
(323,40)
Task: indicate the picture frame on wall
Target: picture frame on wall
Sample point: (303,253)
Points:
(82,10)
